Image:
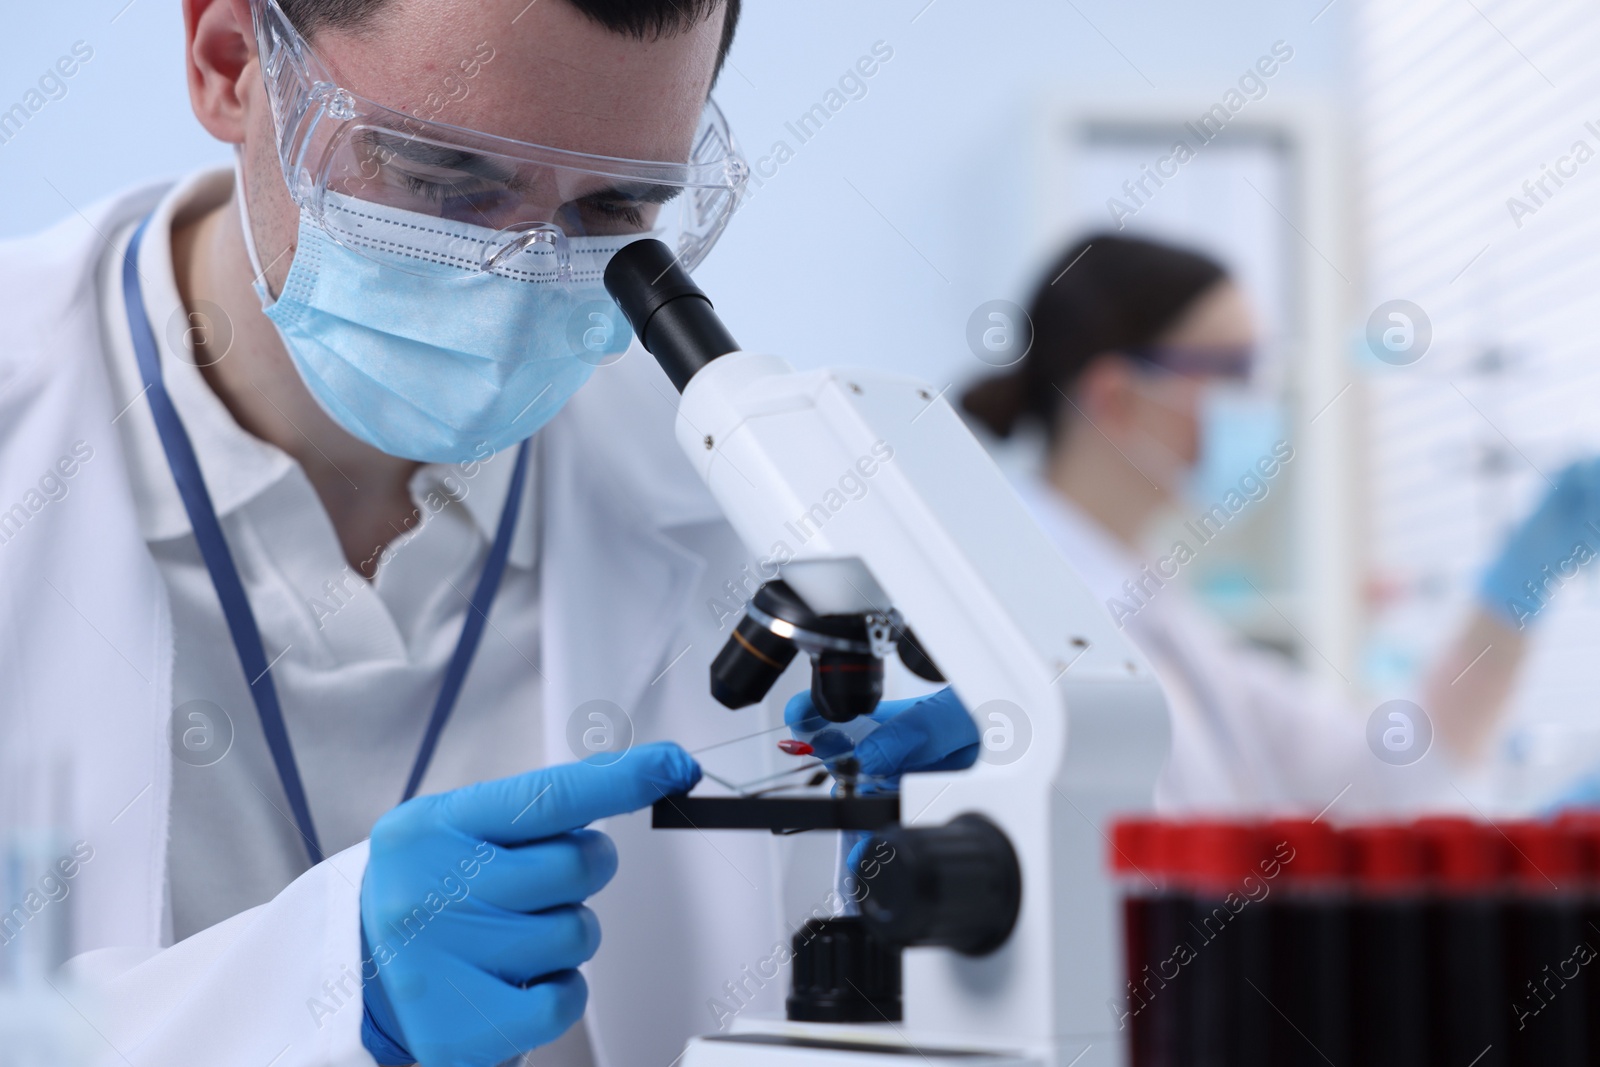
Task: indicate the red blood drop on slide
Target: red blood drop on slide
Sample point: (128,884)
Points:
(796,748)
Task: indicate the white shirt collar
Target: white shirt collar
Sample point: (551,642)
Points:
(481,487)
(237,465)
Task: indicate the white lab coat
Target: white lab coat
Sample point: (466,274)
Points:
(1251,733)
(633,550)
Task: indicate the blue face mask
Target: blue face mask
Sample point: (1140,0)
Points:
(1238,430)
(433,368)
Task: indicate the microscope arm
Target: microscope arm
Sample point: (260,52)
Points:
(871,493)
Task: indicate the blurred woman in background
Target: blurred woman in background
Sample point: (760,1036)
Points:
(1139,357)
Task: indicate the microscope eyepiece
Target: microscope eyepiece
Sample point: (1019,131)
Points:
(672,318)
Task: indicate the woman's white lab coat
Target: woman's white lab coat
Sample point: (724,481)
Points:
(633,552)
(1250,732)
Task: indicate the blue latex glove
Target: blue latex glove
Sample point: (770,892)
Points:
(1582,795)
(1562,533)
(471,908)
(930,733)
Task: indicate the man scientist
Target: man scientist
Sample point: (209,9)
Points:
(336,528)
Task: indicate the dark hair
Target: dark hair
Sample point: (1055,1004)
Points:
(1104,294)
(640,19)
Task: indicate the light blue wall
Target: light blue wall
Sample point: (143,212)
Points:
(125,117)
(937,151)
(942,148)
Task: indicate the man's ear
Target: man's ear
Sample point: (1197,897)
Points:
(220,47)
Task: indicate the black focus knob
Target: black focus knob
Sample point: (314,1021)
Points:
(843,974)
(957,886)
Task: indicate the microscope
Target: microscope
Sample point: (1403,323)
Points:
(990,936)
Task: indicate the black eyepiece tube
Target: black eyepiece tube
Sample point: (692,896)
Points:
(673,319)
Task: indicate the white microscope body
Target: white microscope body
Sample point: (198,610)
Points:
(941,536)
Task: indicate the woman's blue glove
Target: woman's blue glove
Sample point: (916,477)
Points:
(471,908)
(1561,535)
(930,733)
(1581,795)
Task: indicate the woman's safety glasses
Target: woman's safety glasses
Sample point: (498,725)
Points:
(1231,362)
(433,199)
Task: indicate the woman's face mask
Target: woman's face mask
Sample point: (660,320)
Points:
(1197,437)
(1239,431)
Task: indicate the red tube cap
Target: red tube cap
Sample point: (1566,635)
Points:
(1134,846)
(1217,856)
(1462,854)
(1545,857)
(1585,827)
(1306,851)
(1386,857)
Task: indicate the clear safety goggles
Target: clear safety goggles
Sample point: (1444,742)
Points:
(433,199)
(1235,363)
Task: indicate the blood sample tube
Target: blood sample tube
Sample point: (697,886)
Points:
(1467,996)
(1253,928)
(1133,864)
(1227,933)
(1389,1006)
(1545,947)
(1584,828)
(1309,912)
(1167,926)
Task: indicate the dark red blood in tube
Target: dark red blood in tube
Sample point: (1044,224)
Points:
(1135,863)
(1309,915)
(1161,981)
(1584,827)
(1389,1009)
(1467,999)
(1547,946)
(1226,935)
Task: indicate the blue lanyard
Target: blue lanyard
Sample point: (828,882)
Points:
(230,589)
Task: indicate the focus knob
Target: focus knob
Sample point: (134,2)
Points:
(843,974)
(957,886)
